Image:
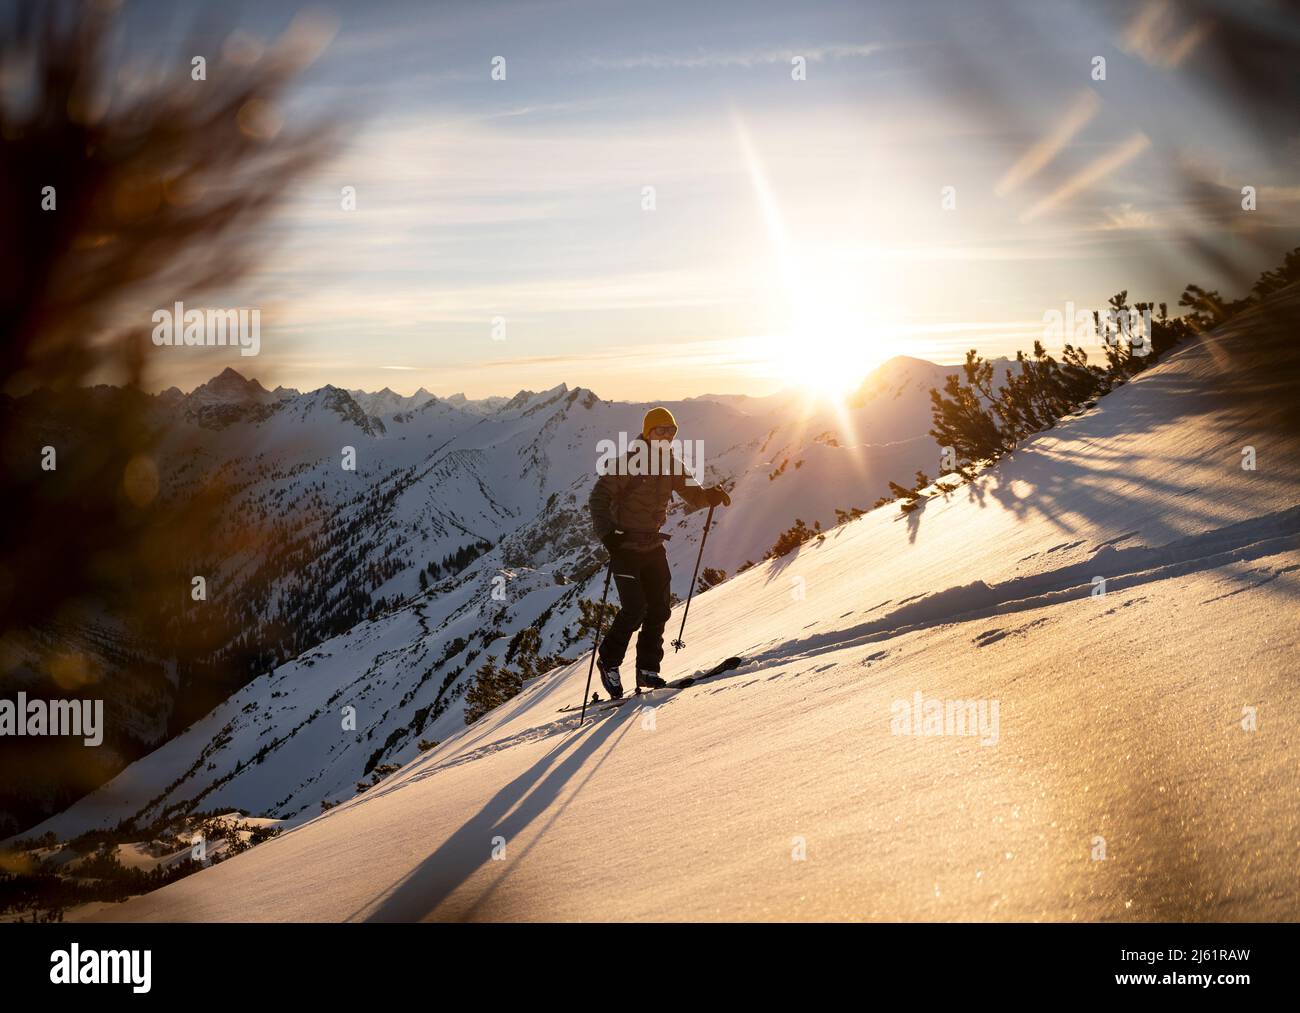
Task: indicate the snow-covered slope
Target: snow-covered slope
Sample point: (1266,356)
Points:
(462,498)
(1118,781)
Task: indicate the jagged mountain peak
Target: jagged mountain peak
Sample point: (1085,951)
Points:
(528,399)
(229,385)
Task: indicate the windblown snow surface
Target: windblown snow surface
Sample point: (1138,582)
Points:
(1120,782)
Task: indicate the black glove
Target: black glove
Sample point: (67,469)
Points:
(717,495)
(612,540)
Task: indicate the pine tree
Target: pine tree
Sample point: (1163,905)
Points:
(523,652)
(710,577)
(962,420)
(791,539)
(492,687)
(1280,277)
(591,617)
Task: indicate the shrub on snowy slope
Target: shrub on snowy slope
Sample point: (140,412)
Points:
(981,424)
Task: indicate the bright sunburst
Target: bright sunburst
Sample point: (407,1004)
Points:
(833,339)
(832,335)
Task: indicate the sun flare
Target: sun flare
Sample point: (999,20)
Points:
(833,334)
(833,339)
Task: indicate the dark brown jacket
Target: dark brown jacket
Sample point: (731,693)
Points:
(638,504)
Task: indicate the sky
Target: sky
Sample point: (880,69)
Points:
(651,204)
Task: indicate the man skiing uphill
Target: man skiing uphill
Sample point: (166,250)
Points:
(629,504)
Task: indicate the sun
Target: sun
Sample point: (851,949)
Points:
(832,332)
(832,337)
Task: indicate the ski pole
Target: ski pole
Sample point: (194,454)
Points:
(679,643)
(600,621)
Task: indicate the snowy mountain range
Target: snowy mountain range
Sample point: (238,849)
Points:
(470,516)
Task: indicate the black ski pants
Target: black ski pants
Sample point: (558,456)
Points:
(644,585)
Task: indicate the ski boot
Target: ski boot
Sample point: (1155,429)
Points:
(610,680)
(646,679)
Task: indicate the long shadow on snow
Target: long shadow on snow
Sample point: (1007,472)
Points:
(1243,374)
(427,767)
(506,814)
(468,746)
(1123,568)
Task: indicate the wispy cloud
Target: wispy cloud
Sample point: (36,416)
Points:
(1126,216)
(709,58)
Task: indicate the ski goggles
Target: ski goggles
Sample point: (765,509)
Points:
(663,432)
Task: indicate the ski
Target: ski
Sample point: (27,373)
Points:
(724,666)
